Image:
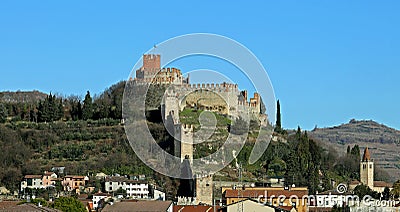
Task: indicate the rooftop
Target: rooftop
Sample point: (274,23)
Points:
(153,206)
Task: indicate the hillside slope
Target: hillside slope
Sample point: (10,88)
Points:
(383,142)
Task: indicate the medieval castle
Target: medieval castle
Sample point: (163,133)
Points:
(224,98)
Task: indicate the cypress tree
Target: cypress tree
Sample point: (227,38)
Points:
(278,125)
(87,110)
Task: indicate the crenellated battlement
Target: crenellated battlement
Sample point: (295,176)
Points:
(222,87)
(187,127)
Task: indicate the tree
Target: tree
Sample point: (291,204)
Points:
(75,107)
(87,110)
(395,192)
(68,204)
(51,109)
(3,113)
(363,190)
(386,194)
(278,126)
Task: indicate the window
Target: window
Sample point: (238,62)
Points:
(370,166)
(110,189)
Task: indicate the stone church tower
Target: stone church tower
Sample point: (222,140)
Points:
(367,170)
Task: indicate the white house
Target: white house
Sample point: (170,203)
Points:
(32,182)
(99,196)
(137,189)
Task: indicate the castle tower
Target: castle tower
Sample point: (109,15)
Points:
(151,62)
(184,142)
(367,169)
(204,189)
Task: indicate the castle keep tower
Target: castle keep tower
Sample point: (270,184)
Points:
(367,170)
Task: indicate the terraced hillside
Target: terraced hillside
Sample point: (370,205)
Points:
(383,142)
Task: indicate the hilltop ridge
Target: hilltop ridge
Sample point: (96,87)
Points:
(358,131)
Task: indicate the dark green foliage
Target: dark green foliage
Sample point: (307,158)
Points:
(109,103)
(120,191)
(75,108)
(3,113)
(278,125)
(87,109)
(362,190)
(335,208)
(68,204)
(14,154)
(51,109)
(395,192)
(386,194)
(348,166)
(304,162)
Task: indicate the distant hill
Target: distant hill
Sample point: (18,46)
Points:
(358,131)
(22,96)
(383,142)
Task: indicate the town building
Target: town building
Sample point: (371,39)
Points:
(99,198)
(49,179)
(154,206)
(325,201)
(254,205)
(296,197)
(73,182)
(137,189)
(32,182)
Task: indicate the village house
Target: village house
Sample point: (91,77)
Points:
(137,189)
(295,197)
(49,179)
(98,198)
(254,205)
(154,206)
(72,182)
(32,182)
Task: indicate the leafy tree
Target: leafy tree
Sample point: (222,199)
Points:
(395,192)
(68,204)
(87,110)
(363,190)
(120,191)
(3,113)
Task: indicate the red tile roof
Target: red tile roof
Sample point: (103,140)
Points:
(153,206)
(382,184)
(193,208)
(229,193)
(367,156)
(33,176)
(101,194)
(48,173)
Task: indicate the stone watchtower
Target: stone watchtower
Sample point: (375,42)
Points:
(184,142)
(367,170)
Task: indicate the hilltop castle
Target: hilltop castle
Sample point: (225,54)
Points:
(224,98)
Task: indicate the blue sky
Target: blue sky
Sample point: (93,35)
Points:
(329,61)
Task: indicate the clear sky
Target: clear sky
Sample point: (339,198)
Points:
(329,61)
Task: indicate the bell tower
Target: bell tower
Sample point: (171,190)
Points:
(367,170)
